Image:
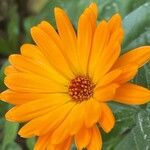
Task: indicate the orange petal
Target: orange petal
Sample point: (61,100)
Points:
(107,120)
(97,45)
(96,140)
(42,142)
(50,31)
(109,77)
(105,52)
(138,56)
(114,24)
(43,69)
(48,122)
(82,138)
(36,108)
(28,82)
(94,8)
(93,15)
(78,119)
(51,51)
(66,145)
(128,73)
(132,94)
(67,35)
(92,112)
(84,41)
(105,93)
(106,60)
(70,124)
(33,52)
(18,98)
(10,69)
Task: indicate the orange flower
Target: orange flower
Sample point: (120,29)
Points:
(61,85)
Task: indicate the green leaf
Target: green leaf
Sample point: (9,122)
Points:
(125,120)
(141,134)
(107,8)
(13,28)
(73,8)
(10,132)
(12,146)
(139,137)
(140,78)
(147,74)
(2,75)
(136,22)
(30,143)
(4,46)
(137,33)
(127,143)
(73,147)
(125,6)
(141,40)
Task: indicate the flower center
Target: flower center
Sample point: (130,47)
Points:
(81,88)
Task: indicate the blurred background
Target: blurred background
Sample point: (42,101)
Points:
(132,130)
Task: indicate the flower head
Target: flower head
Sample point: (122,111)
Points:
(60,86)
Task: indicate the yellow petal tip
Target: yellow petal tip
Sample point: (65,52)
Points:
(9,116)
(33,30)
(57,10)
(93,6)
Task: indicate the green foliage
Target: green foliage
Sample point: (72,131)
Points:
(132,129)
(10,132)
(30,143)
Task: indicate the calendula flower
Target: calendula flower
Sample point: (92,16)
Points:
(60,86)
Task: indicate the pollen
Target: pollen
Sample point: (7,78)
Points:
(81,88)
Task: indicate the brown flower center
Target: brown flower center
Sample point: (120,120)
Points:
(81,88)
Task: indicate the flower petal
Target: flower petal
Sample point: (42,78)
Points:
(36,108)
(128,73)
(115,23)
(94,8)
(92,13)
(71,124)
(33,52)
(42,142)
(106,60)
(97,46)
(105,93)
(132,94)
(96,140)
(82,138)
(84,41)
(107,120)
(92,112)
(105,52)
(66,145)
(51,32)
(18,98)
(51,51)
(138,56)
(9,70)
(28,82)
(43,69)
(78,119)
(48,122)
(109,77)
(67,35)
